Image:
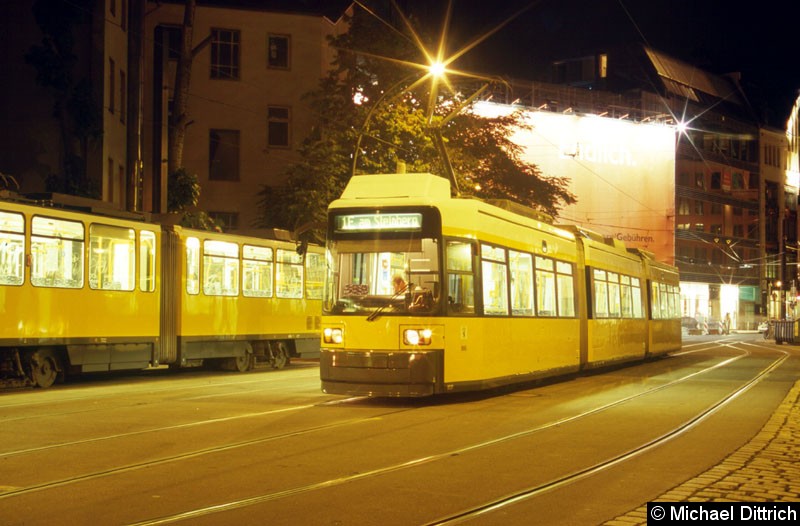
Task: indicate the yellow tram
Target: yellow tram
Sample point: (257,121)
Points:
(84,291)
(490,293)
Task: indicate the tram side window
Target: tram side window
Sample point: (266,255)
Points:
(220,268)
(521,267)
(289,274)
(600,294)
(315,275)
(636,293)
(674,301)
(566,289)
(665,301)
(257,271)
(147,261)
(112,257)
(545,287)
(460,278)
(655,301)
(12,248)
(614,310)
(495,280)
(57,258)
(192,265)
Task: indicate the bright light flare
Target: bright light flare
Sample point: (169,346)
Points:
(437,69)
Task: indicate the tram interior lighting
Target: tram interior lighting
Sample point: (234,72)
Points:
(333,335)
(417,336)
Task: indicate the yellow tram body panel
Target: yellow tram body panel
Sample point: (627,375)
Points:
(475,351)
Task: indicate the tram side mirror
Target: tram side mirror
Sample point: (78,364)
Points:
(302,248)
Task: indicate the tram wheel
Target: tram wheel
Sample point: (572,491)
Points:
(279,355)
(44,369)
(241,363)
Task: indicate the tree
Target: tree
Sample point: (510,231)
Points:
(372,102)
(179,117)
(183,192)
(74,105)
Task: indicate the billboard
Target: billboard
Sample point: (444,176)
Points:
(622,172)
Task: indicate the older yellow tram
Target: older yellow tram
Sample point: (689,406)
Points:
(491,293)
(85,291)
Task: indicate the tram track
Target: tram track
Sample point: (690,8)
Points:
(258,414)
(528,493)
(185,456)
(55,396)
(510,499)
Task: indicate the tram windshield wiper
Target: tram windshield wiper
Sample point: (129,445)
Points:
(377,312)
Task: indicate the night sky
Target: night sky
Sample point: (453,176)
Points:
(719,36)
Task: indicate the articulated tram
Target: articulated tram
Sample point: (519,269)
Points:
(490,293)
(82,291)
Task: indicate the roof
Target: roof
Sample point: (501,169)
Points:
(687,81)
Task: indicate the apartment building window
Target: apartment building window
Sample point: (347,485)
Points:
(752,182)
(111,84)
(112,7)
(716,181)
(699,227)
(716,229)
(122,102)
(738,230)
(225,61)
(699,207)
(278,126)
(683,206)
(738,181)
(223,155)
(699,180)
(123,15)
(716,209)
(278,49)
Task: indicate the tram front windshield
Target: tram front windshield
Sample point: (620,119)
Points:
(383,277)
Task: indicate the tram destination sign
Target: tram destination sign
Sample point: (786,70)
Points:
(377,222)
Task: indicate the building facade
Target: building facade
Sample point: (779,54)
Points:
(250,70)
(732,217)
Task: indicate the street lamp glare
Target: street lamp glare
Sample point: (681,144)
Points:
(436,69)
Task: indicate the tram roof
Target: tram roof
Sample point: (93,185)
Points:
(427,189)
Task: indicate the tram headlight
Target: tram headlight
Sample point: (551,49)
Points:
(333,335)
(417,336)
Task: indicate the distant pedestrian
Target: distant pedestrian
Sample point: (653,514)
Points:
(727,323)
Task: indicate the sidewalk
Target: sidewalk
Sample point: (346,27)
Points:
(767,469)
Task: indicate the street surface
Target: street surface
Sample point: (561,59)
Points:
(267,447)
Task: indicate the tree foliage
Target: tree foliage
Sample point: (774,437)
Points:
(183,193)
(374,103)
